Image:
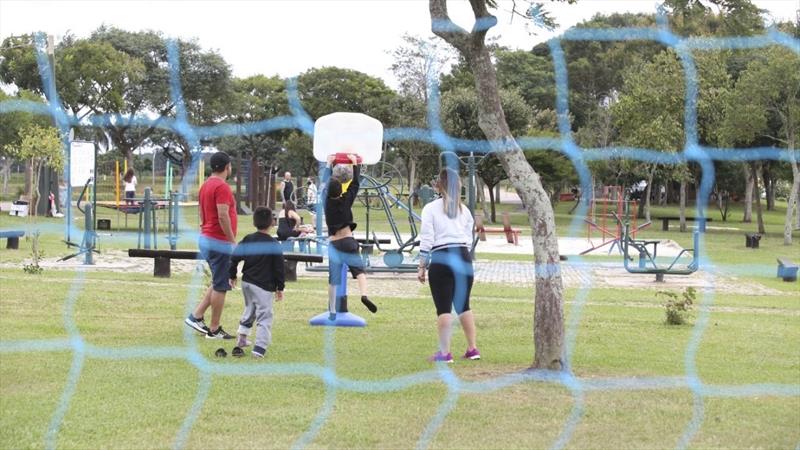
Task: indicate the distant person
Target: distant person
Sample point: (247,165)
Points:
(130,186)
(343,248)
(262,281)
(217,238)
(445,239)
(311,195)
(287,187)
(289,222)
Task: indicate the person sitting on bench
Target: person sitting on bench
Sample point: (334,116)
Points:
(289,222)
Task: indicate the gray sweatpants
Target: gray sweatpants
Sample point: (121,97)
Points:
(258,309)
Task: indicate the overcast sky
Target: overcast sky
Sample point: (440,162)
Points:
(290,37)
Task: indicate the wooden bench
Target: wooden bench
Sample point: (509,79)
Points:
(512,234)
(701,222)
(12,237)
(787,270)
(163,258)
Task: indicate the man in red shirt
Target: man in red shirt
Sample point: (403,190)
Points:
(217,238)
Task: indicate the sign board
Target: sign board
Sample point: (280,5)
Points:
(81,162)
(346,132)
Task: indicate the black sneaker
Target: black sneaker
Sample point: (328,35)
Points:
(237,352)
(368,303)
(219,334)
(198,324)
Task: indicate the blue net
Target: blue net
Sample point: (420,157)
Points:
(578,387)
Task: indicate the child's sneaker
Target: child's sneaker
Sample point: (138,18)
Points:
(219,334)
(198,324)
(441,357)
(258,352)
(368,303)
(472,354)
(242,341)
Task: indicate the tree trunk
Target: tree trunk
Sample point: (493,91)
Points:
(759,210)
(648,193)
(769,187)
(493,216)
(793,202)
(548,321)
(7,163)
(497,193)
(748,194)
(683,205)
(482,197)
(238,182)
(412,175)
(27,192)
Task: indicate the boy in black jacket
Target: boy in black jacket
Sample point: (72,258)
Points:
(262,279)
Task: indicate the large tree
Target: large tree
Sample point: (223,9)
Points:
(204,78)
(765,104)
(548,323)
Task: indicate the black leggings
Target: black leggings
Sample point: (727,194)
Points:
(451,276)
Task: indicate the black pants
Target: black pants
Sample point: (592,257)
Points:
(450,278)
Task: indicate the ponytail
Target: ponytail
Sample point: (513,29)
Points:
(450,188)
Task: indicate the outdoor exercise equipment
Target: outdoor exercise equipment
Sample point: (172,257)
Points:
(89,241)
(647,259)
(604,211)
(146,207)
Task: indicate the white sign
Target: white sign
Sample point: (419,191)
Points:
(81,162)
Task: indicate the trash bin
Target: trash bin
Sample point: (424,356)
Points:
(752,239)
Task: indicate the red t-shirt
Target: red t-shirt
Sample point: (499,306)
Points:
(215,192)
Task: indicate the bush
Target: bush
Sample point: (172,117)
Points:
(677,307)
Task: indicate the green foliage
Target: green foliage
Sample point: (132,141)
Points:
(33,267)
(331,89)
(677,307)
(460,113)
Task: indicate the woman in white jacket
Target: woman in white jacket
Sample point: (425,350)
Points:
(445,242)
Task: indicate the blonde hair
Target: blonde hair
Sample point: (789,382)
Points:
(450,189)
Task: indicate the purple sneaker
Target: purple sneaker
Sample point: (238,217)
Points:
(441,357)
(472,354)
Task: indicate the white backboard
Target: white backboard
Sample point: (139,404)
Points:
(346,132)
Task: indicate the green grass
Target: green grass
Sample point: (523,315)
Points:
(142,403)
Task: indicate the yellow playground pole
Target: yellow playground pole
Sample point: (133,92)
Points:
(116,181)
(125,167)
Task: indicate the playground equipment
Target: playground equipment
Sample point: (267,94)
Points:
(604,211)
(341,134)
(148,220)
(89,241)
(647,263)
(378,184)
(337,314)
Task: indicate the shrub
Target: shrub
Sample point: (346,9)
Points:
(676,306)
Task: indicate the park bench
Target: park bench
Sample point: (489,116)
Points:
(787,269)
(512,234)
(12,237)
(701,222)
(163,258)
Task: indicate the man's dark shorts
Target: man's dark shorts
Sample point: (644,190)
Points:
(341,252)
(218,256)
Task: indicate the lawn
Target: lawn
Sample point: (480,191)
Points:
(140,379)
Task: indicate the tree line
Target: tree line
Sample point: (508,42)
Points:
(621,94)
